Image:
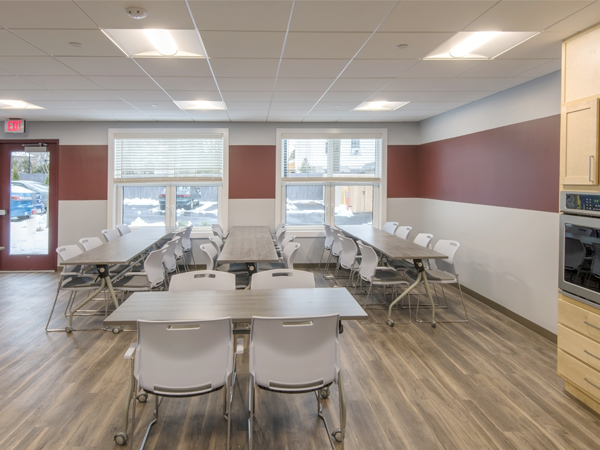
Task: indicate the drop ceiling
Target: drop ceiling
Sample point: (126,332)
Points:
(271,61)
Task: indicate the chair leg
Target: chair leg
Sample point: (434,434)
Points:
(251,400)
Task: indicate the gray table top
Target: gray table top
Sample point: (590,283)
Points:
(122,250)
(251,244)
(390,245)
(240,305)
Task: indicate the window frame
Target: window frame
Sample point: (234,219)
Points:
(115,189)
(379,187)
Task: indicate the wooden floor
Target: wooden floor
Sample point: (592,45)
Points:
(486,384)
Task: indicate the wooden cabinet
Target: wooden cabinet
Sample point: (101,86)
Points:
(579,136)
(579,350)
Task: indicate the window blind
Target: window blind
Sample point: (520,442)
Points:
(169,157)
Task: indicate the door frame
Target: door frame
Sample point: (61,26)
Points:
(29,262)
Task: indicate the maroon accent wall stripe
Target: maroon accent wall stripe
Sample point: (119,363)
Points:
(516,166)
(252,171)
(403,179)
(83,172)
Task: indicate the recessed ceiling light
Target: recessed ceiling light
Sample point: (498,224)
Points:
(401,46)
(162,41)
(136,44)
(75,44)
(480,44)
(17,104)
(201,105)
(379,106)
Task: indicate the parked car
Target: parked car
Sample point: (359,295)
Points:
(187,197)
(40,188)
(24,203)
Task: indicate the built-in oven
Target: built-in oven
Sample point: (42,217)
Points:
(579,271)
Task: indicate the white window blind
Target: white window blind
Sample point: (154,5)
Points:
(350,157)
(182,157)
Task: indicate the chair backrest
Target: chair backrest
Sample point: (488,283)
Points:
(368,262)
(154,269)
(182,358)
(390,227)
(287,239)
(294,354)
(289,253)
(218,230)
(169,260)
(210,255)
(202,280)
(216,242)
(111,234)
(282,279)
(280,236)
(328,236)
(66,252)
(123,229)
(178,244)
(423,239)
(402,232)
(448,248)
(278,226)
(336,247)
(90,243)
(186,241)
(349,252)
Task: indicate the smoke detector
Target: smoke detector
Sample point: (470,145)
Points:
(135,12)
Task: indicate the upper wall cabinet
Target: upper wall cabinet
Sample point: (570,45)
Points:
(580,65)
(579,135)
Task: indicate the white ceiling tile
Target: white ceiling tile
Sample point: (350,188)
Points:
(12,82)
(418,16)
(106,66)
(358,96)
(416,84)
(246,84)
(244,67)
(546,45)
(133,96)
(394,96)
(182,67)
(384,45)
(324,45)
(124,83)
(56,42)
(210,96)
(241,15)
(312,68)
(11,45)
(360,84)
(503,68)
(301,107)
(248,116)
(543,69)
(86,94)
(291,96)
(240,106)
(243,44)
(303,84)
(246,96)
(582,19)
(369,68)
(43,15)
(172,15)
(452,96)
(74,83)
(33,65)
(440,69)
(186,83)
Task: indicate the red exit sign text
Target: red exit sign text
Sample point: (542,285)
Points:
(14,126)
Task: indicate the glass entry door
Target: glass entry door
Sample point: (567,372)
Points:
(27,207)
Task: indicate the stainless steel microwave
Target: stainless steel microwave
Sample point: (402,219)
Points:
(579,264)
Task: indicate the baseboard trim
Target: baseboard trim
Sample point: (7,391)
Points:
(512,315)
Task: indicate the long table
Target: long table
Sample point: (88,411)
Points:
(396,248)
(250,245)
(122,251)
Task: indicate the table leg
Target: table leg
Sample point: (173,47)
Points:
(428,290)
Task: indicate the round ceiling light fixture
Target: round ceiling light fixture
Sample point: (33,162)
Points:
(401,46)
(135,12)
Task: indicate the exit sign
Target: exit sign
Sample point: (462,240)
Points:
(14,126)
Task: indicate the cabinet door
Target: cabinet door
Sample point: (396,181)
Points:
(580,142)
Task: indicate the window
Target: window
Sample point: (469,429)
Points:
(330,177)
(168,177)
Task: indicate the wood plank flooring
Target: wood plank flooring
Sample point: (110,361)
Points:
(486,384)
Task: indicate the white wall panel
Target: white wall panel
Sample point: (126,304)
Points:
(507,255)
(79,219)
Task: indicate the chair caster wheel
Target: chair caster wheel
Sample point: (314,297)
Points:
(142,397)
(390,322)
(433,324)
(325,392)
(116,330)
(337,435)
(68,329)
(120,438)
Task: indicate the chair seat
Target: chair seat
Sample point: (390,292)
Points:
(130,283)
(270,266)
(81,282)
(385,276)
(433,275)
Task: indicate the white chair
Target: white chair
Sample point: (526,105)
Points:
(123,229)
(390,227)
(169,261)
(347,259)
(286,240)
(151,278)
(217,229)
(239,268)
(336,250)
(279,237)
(286,261)
(282,279)
(422,239)
(211,254)
(180,359)
(212,280)
(403,232)
(443,271)
(73,280)
(186,244)
(328,243)
(90,243)
(293,356)
(111,234)
(369,272)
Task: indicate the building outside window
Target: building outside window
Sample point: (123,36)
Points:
(168,177)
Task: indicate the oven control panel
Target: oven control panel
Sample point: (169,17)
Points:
(583,203)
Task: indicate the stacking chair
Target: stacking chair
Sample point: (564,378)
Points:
(186,244)
(293,356)
(239,268)
(369,272)
(336,250)
(74,280)
(390,227)
(169,261)
(287,258)
(123,229)
(286,240)
(279,237)
(347,259)
(402,232)
(211,254)
(443,271)
(217,229)
(213,280)
(328,242)
(90,243)
(282,279)
(180,359)
(110,234)
(151,278)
